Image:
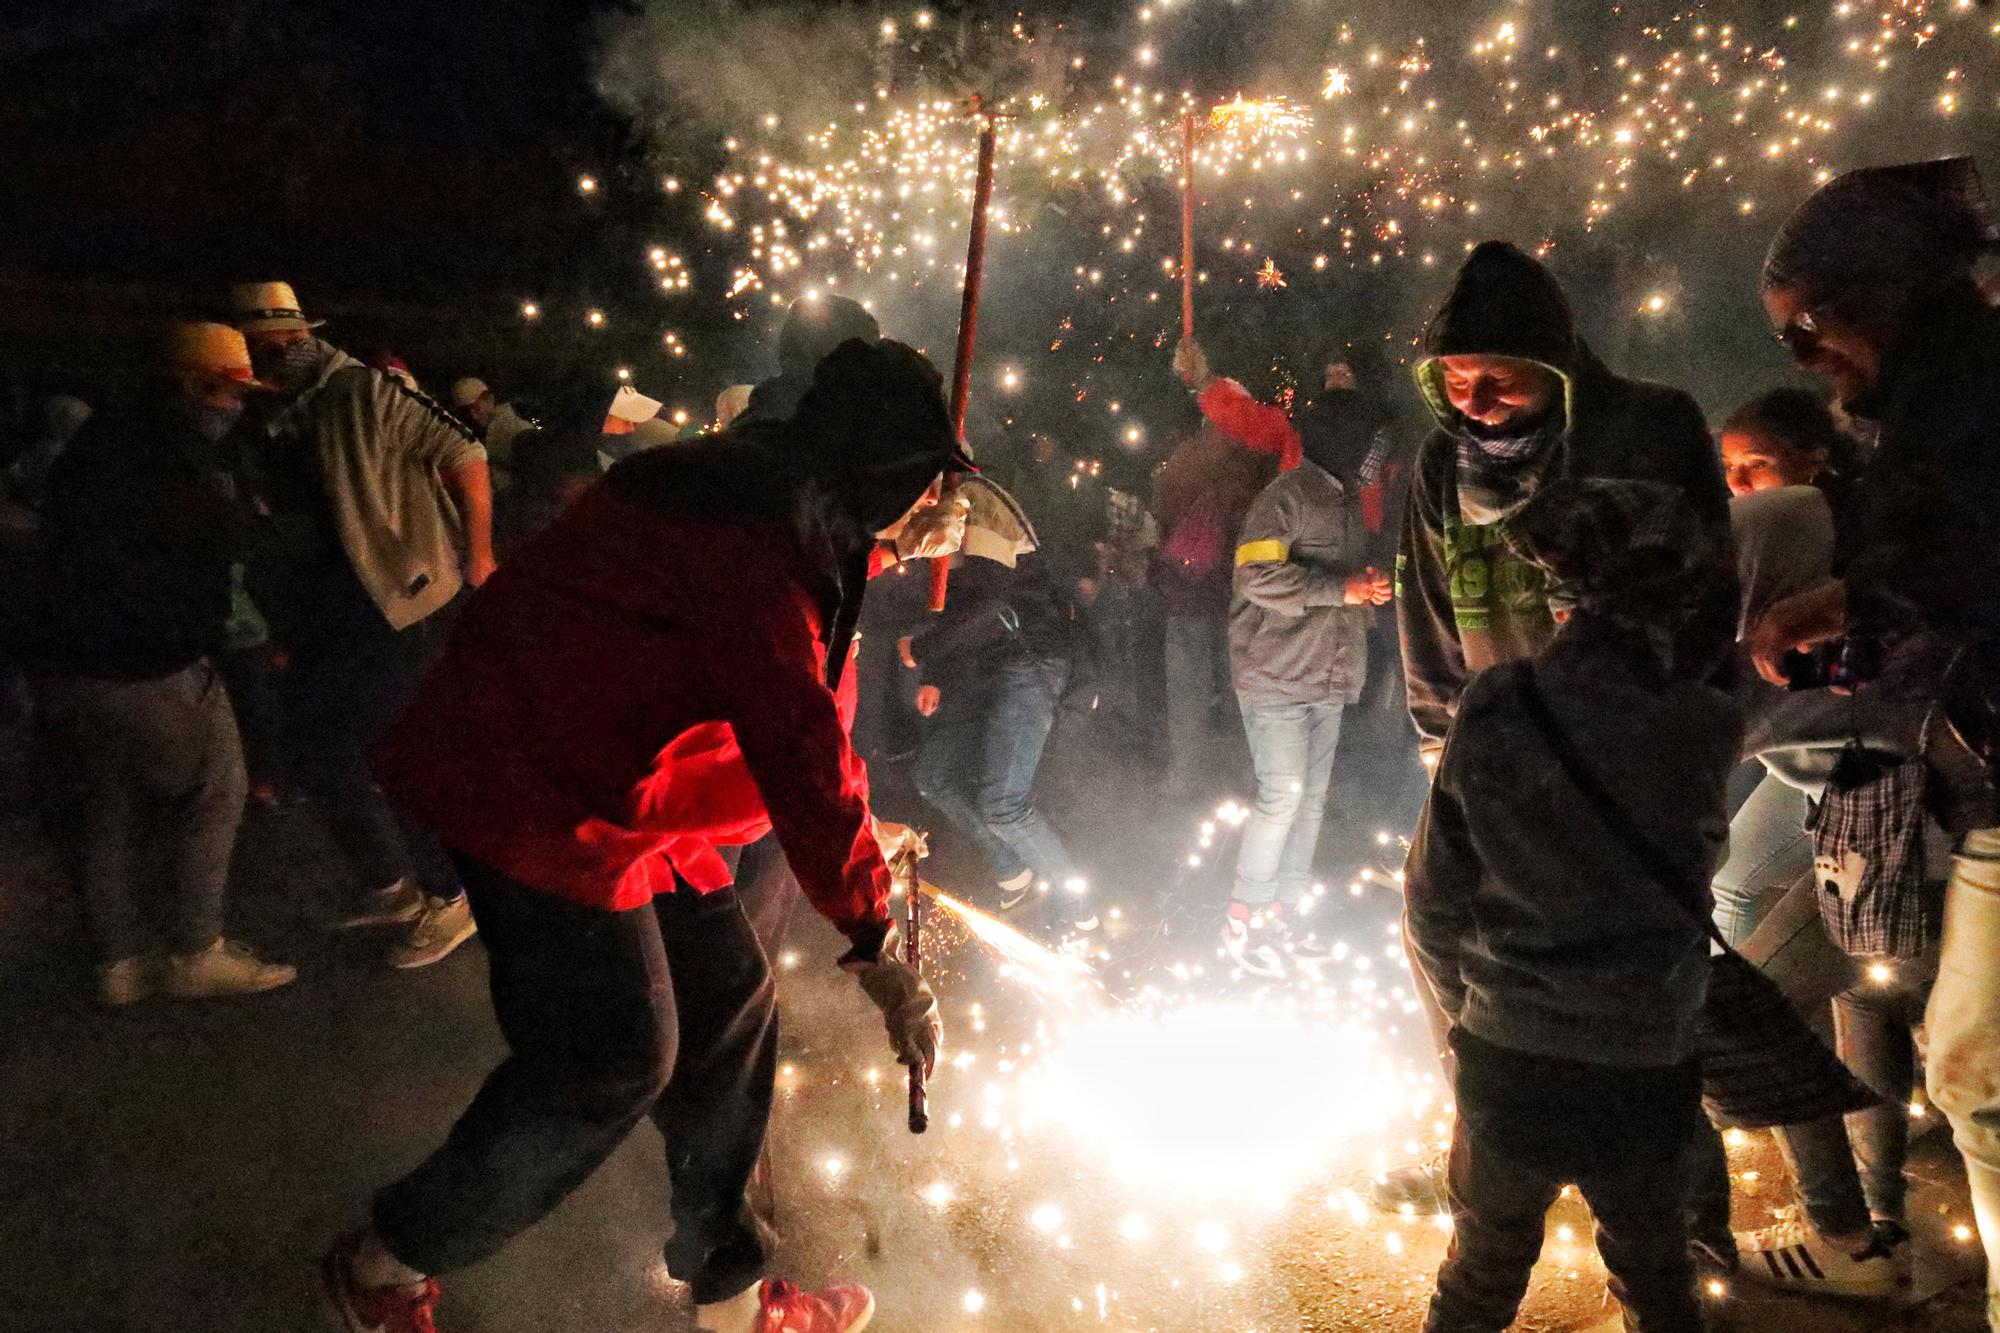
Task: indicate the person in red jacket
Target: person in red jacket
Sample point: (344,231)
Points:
(651,681)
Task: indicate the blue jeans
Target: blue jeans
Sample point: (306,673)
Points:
(978,761)
(1291,750)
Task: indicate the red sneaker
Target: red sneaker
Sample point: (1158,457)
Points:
(787,1309)
(358,1309)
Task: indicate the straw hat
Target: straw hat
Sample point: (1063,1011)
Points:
(256,306)
(467,391)
(211,349)
(731,402)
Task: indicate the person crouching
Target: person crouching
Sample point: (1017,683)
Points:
(652,680)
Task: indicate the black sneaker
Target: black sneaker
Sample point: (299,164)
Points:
(1250,939)
(1014,892)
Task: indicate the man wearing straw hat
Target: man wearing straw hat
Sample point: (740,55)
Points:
(134,593)
(381,512)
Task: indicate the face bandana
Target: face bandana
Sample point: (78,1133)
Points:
(1497,474)
(289,367)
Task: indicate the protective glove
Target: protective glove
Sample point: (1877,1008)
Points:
(899,839)
(909,1009)
(936,532)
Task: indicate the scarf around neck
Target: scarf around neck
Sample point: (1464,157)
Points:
(1497,474)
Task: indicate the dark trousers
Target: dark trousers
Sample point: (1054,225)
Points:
(260,716)
(1527,1126)
(348,682)
(666,1010)
(767,888)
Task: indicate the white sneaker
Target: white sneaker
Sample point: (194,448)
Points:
(1791,1256)
(1249,944)
(128,980)
(397,905)
(441,927)
(226,967)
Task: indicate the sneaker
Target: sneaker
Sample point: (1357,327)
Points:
(1791,1256)
(1413,1191)
(784,1308)
(1014,892)
(127,980)
(1290,937)
(441,928)
(226,967)
(397,905)
(354,1308)
(1249,939)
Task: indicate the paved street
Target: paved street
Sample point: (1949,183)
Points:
(180,1167)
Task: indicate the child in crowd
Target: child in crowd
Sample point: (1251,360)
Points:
(1570,971)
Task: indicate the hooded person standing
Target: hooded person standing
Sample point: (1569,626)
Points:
(380,511)
(137,552)
(1872,284)
(1520,401)
(1299,614)
(650,682)
(1572,967)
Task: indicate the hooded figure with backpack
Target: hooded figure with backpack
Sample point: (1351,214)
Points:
(651,681)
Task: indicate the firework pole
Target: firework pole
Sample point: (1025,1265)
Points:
(968,334)
(1187,225)
(903,867)
(913,954)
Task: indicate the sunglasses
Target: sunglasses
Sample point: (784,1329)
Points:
(1800,336)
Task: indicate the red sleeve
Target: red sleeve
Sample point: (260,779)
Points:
(1230,408)
(769,680)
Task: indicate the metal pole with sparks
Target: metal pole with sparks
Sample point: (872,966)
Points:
(1187,225)
(968,317)
(913,954)
(903,867)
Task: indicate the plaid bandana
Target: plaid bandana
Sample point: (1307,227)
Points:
(1498,474)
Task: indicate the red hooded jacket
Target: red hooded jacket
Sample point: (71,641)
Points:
(638,688)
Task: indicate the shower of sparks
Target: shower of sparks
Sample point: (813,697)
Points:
(1406,148)
(1269,277)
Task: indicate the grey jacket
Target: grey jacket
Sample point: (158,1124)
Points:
(382,450)
(1292,636)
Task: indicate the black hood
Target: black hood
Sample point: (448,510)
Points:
(1337,428)
(1504,303)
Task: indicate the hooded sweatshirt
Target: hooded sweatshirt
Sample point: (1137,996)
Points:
(1464,600)
(1537,928)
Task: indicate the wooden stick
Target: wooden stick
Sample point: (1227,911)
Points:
(968,317)
(1187,225)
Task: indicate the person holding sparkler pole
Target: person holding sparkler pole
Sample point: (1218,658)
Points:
(653,679)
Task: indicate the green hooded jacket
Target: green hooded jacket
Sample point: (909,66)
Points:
(1464,601)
